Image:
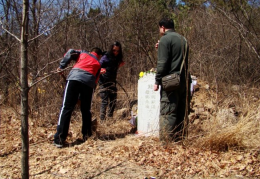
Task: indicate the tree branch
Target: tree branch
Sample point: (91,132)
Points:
(51,73)
(9,32)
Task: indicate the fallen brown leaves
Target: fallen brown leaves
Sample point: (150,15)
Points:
(130,157)
(115,153)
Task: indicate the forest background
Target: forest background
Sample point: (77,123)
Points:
(223,36)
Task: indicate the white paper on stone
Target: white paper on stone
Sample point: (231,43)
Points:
(148,106)
(193,83)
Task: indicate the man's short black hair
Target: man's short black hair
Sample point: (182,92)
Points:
(97,50)
(167,23)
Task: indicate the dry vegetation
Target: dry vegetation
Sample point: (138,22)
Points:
(223,143)
(224,126)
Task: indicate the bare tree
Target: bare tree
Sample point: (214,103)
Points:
(24,90)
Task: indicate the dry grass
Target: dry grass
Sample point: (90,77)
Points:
(234,122)
(244,134)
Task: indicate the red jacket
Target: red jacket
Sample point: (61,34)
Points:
(86,69)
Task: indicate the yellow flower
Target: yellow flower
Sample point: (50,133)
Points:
(141,74)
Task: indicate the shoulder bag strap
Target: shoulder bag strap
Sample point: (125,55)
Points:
(184,54)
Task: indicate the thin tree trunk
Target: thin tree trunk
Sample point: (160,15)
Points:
(24,91)
(35,104)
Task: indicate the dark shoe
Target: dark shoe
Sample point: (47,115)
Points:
(110,115)
(102,117)
(103,120)
(79,141)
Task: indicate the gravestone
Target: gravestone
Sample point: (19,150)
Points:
(148,106)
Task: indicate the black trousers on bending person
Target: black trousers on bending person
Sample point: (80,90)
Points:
(108,94)
(74,90)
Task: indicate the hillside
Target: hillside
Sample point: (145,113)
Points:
(116,153)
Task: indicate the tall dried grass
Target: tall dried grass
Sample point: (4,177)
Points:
(228,129)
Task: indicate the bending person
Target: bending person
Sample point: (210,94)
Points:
(81,83)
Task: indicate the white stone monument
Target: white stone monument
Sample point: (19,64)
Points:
(148,106)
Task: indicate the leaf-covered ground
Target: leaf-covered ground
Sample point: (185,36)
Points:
(121,156)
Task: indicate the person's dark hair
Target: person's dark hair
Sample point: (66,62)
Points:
(167,23)
(97,50)
(120,53)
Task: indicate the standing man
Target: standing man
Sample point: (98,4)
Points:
(110,63)
(171,51)
(81,83)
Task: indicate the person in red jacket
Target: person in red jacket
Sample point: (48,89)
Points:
(81,82)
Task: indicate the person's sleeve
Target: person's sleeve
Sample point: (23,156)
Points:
(162,65)
(104,61)
(71,54)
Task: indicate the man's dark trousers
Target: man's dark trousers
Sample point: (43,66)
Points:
(74,91)
(172,113)
(108,95)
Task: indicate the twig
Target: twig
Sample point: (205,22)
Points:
(52,73)
(9,32)
(125,93)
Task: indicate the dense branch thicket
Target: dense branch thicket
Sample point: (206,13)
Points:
(223,37)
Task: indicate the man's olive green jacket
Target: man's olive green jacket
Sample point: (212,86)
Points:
(170,55)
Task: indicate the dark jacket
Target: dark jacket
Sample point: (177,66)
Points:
(170,55)
(111,64)
(86,69)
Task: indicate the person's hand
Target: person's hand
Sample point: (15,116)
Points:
(157,44)
(103,70)
(59,70)
(121,64)
(155,87)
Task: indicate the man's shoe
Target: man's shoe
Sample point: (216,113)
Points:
(58,144)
